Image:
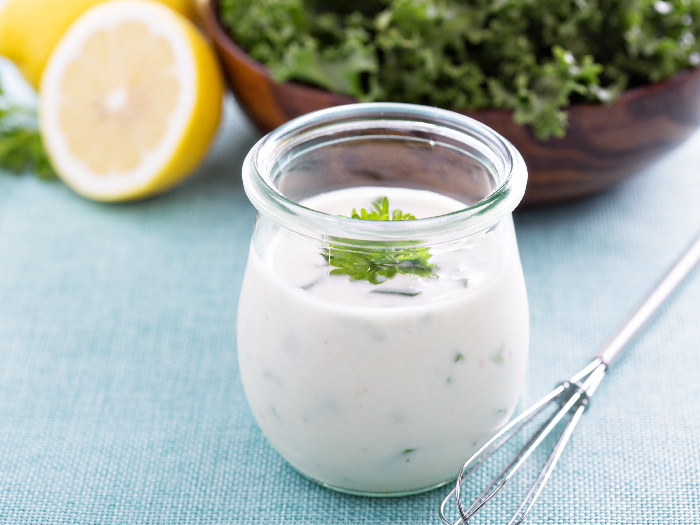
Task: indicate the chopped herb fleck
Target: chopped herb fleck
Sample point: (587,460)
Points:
(406,293)
(498,356)
(458,357)
(310,285)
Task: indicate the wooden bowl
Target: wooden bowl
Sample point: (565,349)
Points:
(603,145)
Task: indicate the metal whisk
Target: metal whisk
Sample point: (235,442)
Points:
(557,412)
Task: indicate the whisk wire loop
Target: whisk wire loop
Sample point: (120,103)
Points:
(572,398)
(482,455)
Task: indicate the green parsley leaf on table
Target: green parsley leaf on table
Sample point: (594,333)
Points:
(21,147)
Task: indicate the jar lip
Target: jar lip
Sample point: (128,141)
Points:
(500,202)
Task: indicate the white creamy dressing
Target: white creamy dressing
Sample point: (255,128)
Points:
(383,392)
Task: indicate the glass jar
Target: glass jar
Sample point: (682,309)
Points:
(377,355)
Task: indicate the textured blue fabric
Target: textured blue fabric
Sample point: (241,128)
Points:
(120,401)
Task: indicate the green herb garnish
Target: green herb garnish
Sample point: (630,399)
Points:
(379,211)
(21,148)
(532,57)
(377,262)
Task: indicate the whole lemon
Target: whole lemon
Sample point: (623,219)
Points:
(30,29)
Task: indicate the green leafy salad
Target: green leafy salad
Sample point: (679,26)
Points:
(534,57)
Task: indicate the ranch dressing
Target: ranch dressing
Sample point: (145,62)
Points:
(383,388)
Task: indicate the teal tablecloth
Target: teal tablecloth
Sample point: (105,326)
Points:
(120,401)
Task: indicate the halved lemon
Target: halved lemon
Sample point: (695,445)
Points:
(129,101)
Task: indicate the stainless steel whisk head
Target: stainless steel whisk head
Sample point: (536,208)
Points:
(556,413)
(548,424)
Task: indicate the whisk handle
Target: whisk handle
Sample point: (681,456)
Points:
(616,343)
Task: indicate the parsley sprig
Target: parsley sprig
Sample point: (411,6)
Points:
(379,261)
(379,211)
(21,148)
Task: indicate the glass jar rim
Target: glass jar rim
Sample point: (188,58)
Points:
(500,202)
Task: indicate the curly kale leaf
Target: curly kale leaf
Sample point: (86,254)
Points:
(534,57)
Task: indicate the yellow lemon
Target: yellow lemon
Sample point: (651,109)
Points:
(29,29)
(129,101)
